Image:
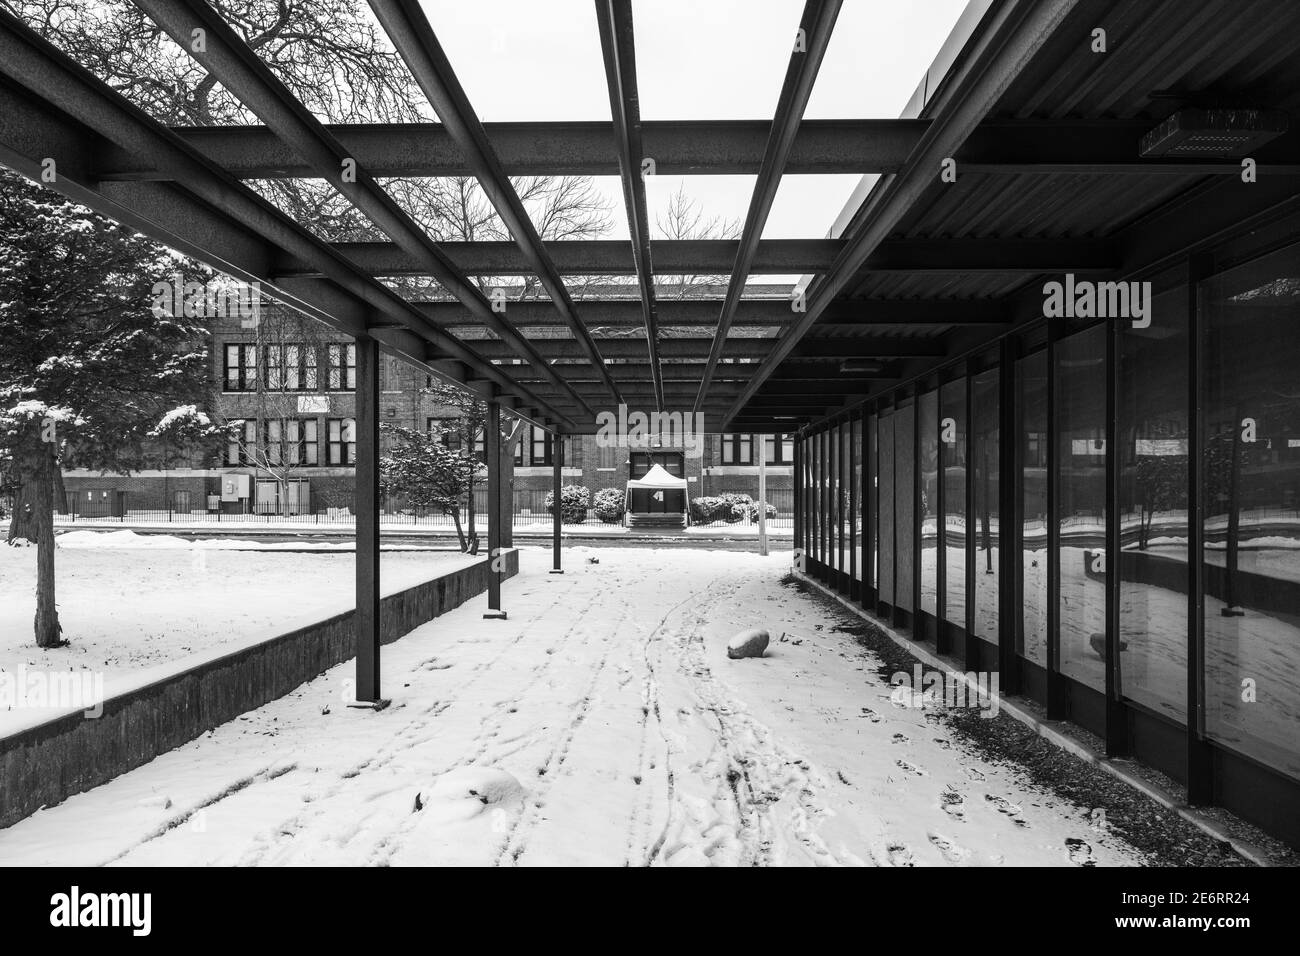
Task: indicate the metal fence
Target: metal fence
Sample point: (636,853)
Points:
(531,511)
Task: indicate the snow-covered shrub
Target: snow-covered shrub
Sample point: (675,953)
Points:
(574,501)
(748,511)
(608,504)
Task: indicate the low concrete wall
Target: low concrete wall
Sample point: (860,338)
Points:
(46,764)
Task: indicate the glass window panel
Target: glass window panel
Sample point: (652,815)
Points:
(1153,568)
(1081,504)
(885,549)
(857,498)
(985,449)
(929,504)
(952,447)
(905,504)
(1251,536)
(1031,388)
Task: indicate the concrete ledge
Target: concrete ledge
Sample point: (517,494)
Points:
(45,764)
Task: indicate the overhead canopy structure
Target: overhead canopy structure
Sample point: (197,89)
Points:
(1040,132)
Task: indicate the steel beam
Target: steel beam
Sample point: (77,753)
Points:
(618,48)
(717,257)
(815,28)
(998,147)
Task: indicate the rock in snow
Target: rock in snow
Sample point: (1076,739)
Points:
(751,643)
(473,789)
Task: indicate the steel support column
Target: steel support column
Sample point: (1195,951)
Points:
(492,450)
(557,519)
(366,505)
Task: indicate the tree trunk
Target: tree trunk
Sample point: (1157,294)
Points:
(22,523)
(460,532)
(34,520)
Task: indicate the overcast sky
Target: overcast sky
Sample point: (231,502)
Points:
(696,59)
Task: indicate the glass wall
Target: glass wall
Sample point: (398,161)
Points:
(852,494)
(887,507)
(1031,437)
(905,506)
(984,524)
(1081,504)
(952,446)
(1153,566)
(928,506)
(873,510)
(845,499)
(1250,554)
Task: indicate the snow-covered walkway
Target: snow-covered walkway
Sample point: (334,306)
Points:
(609,698)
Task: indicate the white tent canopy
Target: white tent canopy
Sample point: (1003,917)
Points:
(657,479)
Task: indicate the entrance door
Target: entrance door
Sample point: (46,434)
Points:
(666,501)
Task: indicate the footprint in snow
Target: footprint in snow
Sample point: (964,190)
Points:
(910,768)
(947,848)
(1079,851)
(900,739)
(871,715)
(1004,805)
(952,803)
(943,744)
(974,774)
(899,855)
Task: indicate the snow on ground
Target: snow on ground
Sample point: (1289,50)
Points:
(133,604)
(602,723)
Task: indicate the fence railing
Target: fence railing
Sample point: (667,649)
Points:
(530,511)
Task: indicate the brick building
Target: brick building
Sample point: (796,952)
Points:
(293,449)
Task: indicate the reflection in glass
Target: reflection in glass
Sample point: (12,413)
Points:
(1251,535)
(873,513)
(1153,570)
(885,551)
(905,507)
(984,523)
(928,409)
(1081,504)
(952,443)
(1031,387)
(856,479)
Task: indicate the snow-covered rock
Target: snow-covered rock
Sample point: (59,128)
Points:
(467,791)
(751,643)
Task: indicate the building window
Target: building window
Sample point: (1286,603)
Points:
(519,452)
(778,449)
(607,455)
(342,441)
(243,437)
(241,367)
(542,446)
(341,367)
(737,449)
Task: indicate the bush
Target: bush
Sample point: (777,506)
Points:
(608,504)
(574,500)
(748,511)
(729,507)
